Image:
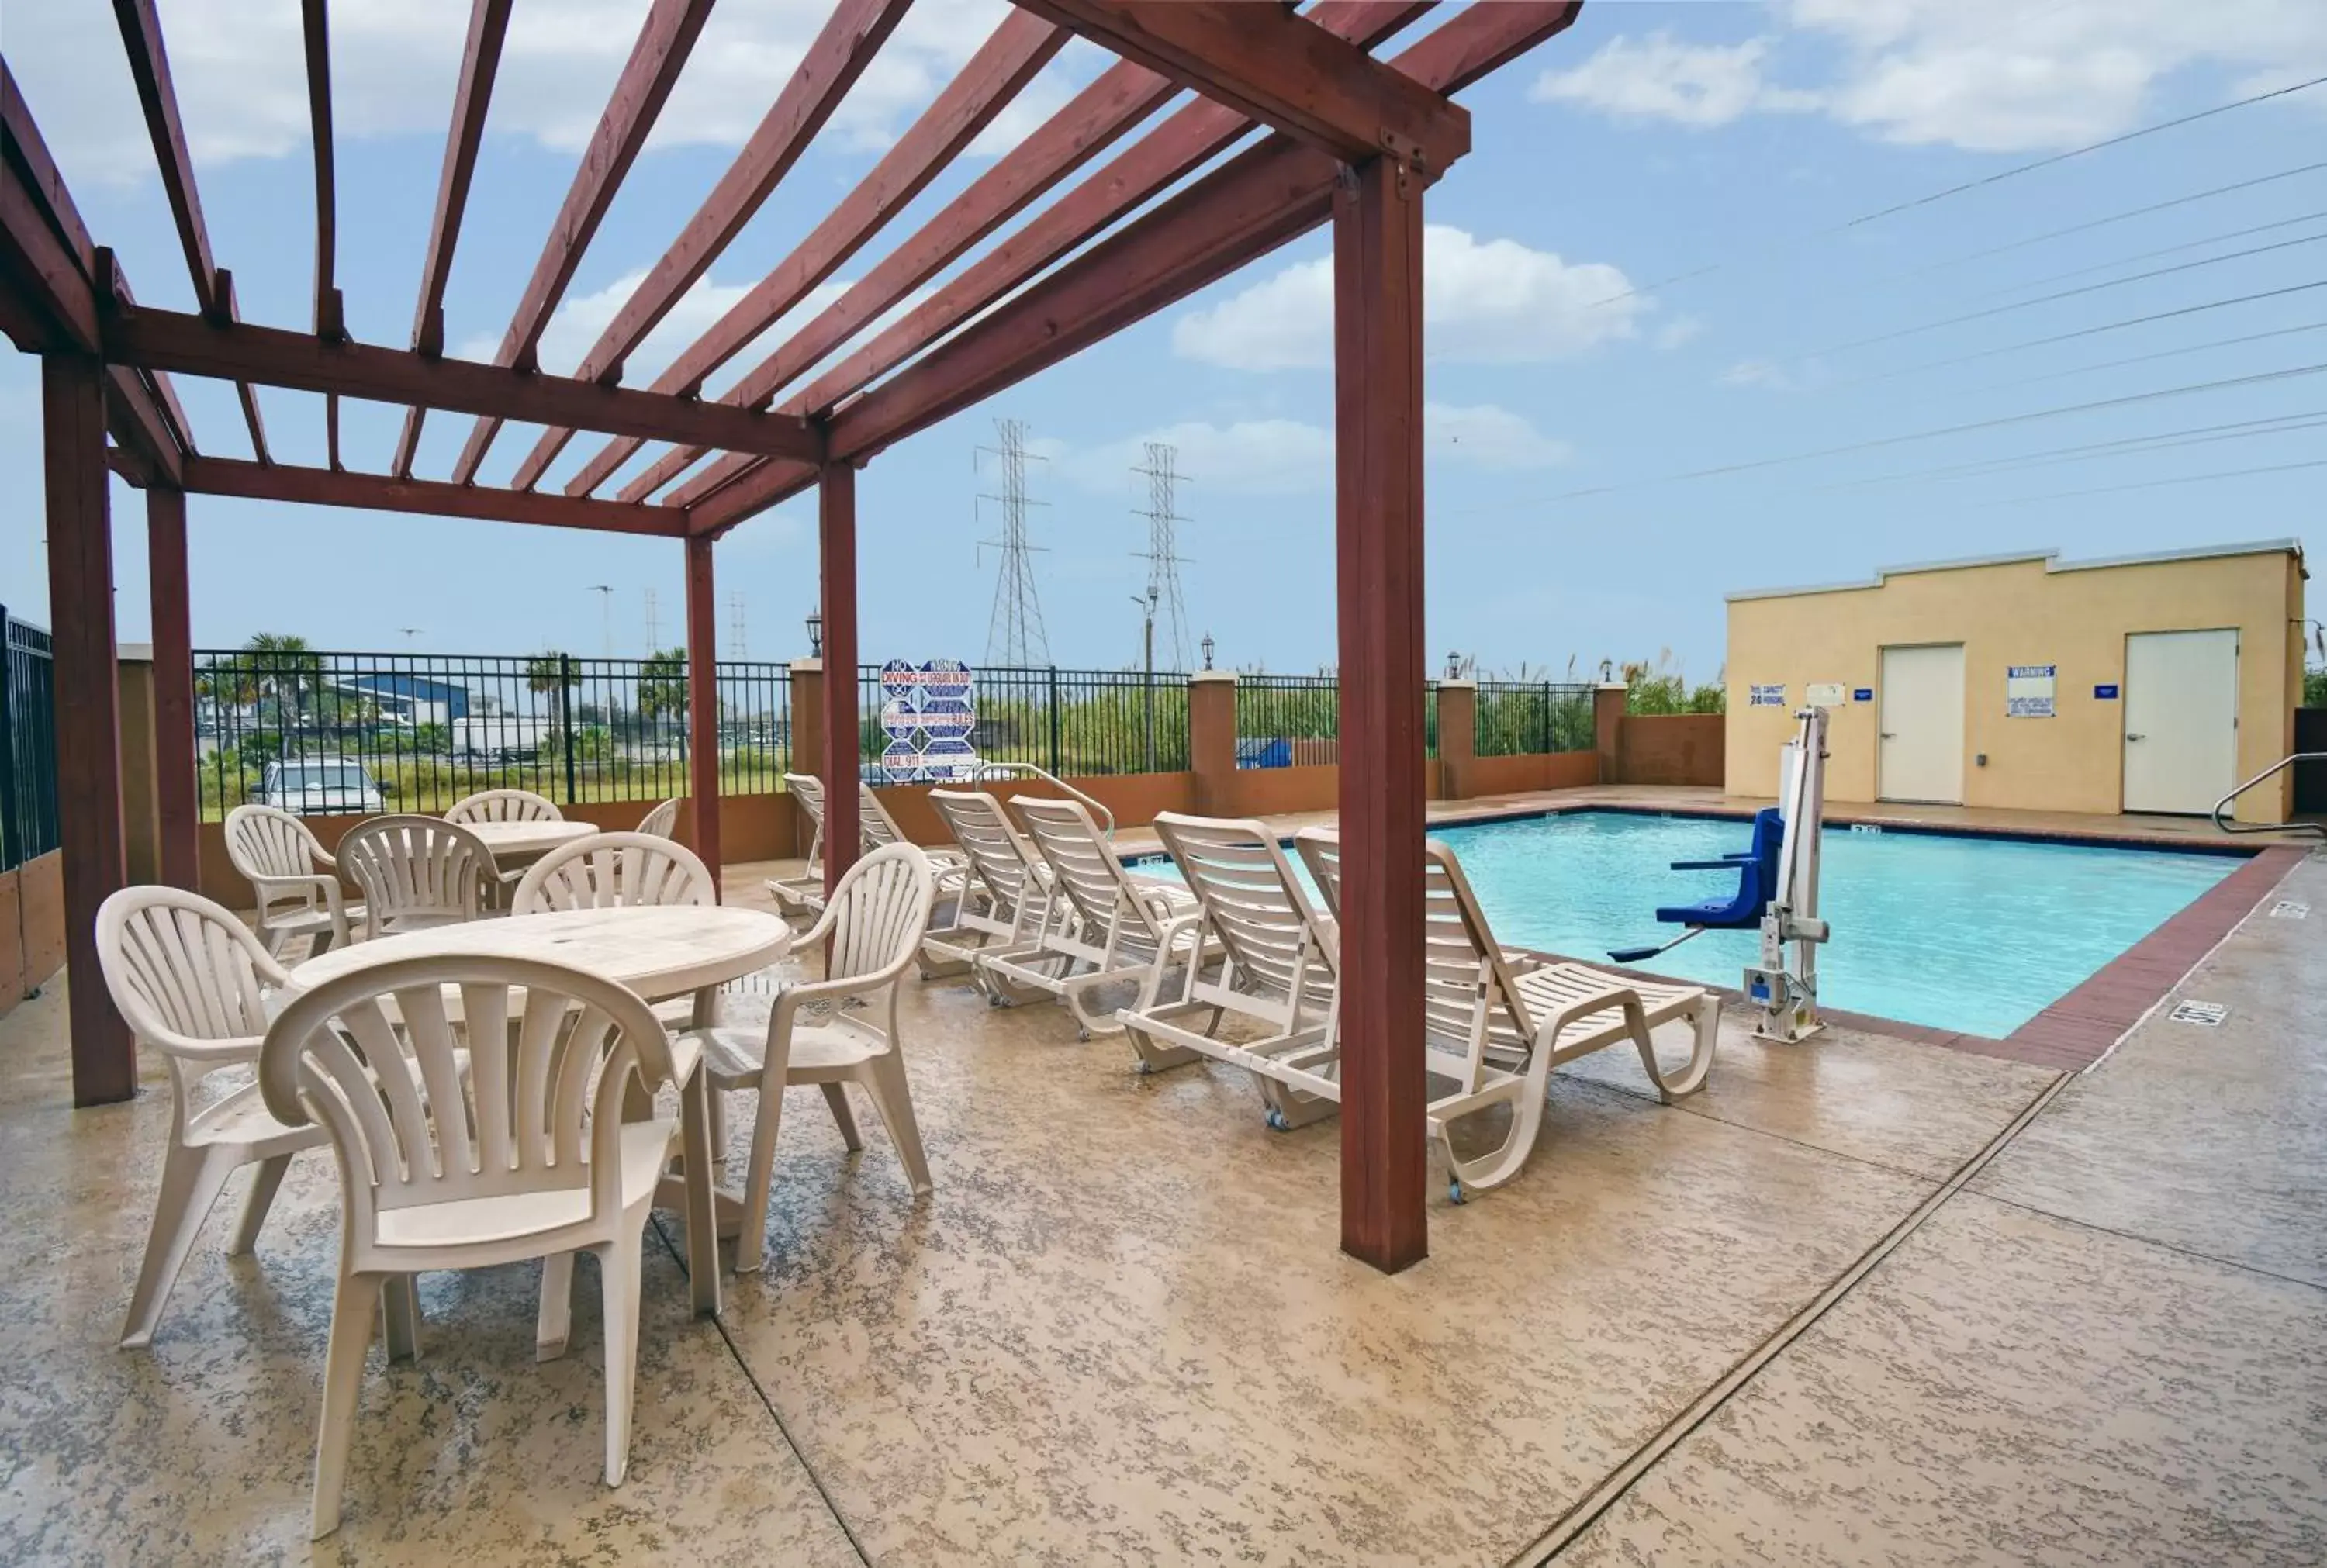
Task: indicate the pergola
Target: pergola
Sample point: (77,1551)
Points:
(1342,136)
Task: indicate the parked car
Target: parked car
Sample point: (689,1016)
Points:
(321,787)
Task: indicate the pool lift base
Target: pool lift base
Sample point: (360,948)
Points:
(1786,992)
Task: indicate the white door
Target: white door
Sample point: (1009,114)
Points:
(2180,720)
(1920,754)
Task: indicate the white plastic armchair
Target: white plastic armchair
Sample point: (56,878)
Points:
(418,871)
(874,920)
(662,821)
(525,1156)
(192,981)
(504,806)
(614,871)
(280,857)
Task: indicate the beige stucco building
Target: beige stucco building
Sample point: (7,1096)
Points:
(2143,683)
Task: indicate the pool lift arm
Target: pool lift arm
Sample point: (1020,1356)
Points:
(1787,992)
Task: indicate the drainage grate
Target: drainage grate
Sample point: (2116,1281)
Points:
(2288,909)
(2205,1014)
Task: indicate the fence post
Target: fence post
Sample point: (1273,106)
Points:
(1458,736)
(1212,738)
(566,717)
(1054,719)
(1607,725)
(12,828)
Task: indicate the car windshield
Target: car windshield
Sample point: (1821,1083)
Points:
(328,778)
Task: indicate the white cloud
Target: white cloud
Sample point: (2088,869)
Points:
(1277,457)
(241,78)
(1762,373)
(1678,330)
(1488,302)
(1986,75)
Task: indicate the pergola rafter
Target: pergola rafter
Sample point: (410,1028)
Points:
(1346,137)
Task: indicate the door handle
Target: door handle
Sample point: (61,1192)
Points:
(1889,735)
(2133,737)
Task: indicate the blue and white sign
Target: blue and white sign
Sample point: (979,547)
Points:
(1766,696)
(2104,694)
(928,715)
(2028,691)
(1861,693)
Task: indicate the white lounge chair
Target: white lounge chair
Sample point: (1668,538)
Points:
(525,1155)
(1269,958)
(1006,900)
(418,871)
(294,880)
(1112,926)
(1494,1033)
(874,920)
(192,983)
(804,894)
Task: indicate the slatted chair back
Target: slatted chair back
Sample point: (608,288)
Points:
(188,977)
(265,841)
(1472,1003)
(876,916)
(418,870)
(662,821)
(1002,861)
(1086,872)
(376,1056)
(878,828)
(614,871)
(807,791)
(505,806)
(1278,943)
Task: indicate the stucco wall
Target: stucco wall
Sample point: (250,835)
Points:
(2018,614)
(1670,748)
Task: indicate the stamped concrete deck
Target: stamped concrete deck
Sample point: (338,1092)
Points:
(1862,1301)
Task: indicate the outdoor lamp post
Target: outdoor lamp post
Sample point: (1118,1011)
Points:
(816,634)
(1454,666)
(1207,650)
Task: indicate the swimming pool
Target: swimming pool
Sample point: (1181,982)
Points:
(1953,931)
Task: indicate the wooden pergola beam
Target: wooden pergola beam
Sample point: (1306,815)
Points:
(193,346)
(149,69)
(277,481)
(665,41)
(1002,67)
(848,43)
(1279,69)
(480,60)
(1150,165)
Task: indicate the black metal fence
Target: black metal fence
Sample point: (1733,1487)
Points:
(426,730)
(28,745)
(1077,723)
(1517,717)
(1286,721)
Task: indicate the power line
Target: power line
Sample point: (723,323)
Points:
(2151,255)
(2032,416)
(2160,354)
(2002,174)
(2111,489)
(2068,294)
(2116,218)
(2125,447)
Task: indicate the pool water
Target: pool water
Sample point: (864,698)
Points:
(1952,931)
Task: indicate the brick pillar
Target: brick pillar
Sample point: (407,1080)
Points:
(1212,737)
(1607,722)
(808,734)
(1458,736)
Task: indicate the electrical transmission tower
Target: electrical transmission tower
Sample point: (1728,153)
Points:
(654,625)
(739,642)
(1015,634)
(1166,612)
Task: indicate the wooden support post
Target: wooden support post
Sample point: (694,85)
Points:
(836,524)
(1379,520)
(88,712)
(703,700)
(177,783)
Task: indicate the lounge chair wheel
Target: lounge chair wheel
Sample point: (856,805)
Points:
(1276,1119)
(1082,1034)
(1454,1192)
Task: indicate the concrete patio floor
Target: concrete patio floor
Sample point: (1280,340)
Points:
(1863,1300)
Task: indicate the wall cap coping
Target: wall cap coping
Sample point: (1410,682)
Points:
(133,653)
(1465,685)
(2050,558)
(808,667)
(1197,677)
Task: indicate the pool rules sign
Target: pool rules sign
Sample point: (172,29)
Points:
(2028,691)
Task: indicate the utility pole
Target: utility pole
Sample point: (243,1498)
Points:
(1147,685)
(605,592)
(1014,634)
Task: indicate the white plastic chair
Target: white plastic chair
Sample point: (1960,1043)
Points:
(191,981)
(1006,901)
(279,856)
(662,822)
(504,806)
(874,921)
(614,871)
(418,871)
(804,894)
(524,1155)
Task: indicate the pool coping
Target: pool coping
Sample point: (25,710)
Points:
(2072,1034)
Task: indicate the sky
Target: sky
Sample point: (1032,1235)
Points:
(1727,296)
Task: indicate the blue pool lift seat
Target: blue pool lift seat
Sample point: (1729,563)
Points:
(1757,880)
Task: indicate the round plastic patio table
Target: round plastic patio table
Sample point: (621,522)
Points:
(660,951)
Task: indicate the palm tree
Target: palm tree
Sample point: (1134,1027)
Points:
(280,665)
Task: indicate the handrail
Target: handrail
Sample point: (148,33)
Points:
(987,769)
(2284,763)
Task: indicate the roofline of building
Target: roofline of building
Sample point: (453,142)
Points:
(2050,558)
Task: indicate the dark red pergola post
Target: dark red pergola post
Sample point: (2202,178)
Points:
(1379,520)
(703,699)
(835,531)
(177,787)
(88,712)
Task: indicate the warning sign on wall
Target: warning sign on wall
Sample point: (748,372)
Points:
(2028,691)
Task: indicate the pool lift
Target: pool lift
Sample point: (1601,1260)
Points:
(1777,890)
